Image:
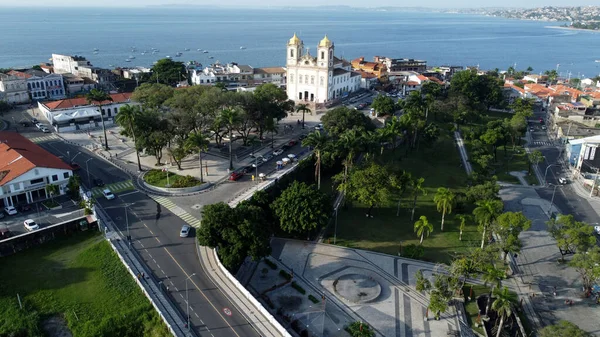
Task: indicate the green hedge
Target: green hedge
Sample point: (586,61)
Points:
(270,264)
(285,275)
(159,178)
(298,287)
(313,299)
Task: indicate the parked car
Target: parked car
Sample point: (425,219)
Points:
(75,166)
(44,129)
(293,142)
(34,121)
(98,182)
(531,129)
(108,194)
(248,169)
(562,180)
(543,127)
(5,233)
(267,157)
(258,163)
(185,231)
(235,176)
(39,125)
(285,147)
(277,152)
(30,225)
(10,210)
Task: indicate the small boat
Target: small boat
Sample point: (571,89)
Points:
(143,53)
(178,54)
(127,60)
(186,49)
(205,52)
(242,47)
(168,57)
(199,49)
(96,49)
(210,57)
(95,52)
(131,57)
(597,61)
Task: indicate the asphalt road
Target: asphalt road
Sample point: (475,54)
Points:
(270,165)
(43,218)
(155,235)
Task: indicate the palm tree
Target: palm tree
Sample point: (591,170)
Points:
(197,142)
(492,277)
(302,108)
(318,142)
(96,97)
(126,119)
(444,199)
(485,213)
(51,190)
(463,221)
(230,117)
(422,227)
(417,187)
(503,305)
(393,129)
(350,142)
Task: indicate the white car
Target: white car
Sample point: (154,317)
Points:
(30,225)
(10,210)
(277,152)
(543,127)
(108,194)
(185,231)
(44,129)
(562,180)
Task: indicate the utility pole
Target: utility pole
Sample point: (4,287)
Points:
(594,182)
(187,301)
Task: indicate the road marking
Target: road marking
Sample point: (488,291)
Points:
(178,211)
(227,311)
(202,293)
(120,186)
(197,316)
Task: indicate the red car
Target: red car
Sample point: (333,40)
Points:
(293,142)
(235,176)
(75,166)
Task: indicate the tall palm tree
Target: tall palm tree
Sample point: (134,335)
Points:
(444,200)
(417,188)
(230,119)
(423,227)
(319,142)
(96,97)
(485,213)
(393,130)
(197,142)
(126,119)
(492,277)
(302,108)
(463,221)
(350,142)
(503,305)
(51,190)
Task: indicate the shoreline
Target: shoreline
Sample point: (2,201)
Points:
(576,29)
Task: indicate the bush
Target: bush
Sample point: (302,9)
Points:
(186,181)
(313,299)
(270,264)
(299,288)
(413,251)
(285,275)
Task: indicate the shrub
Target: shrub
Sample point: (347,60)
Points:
(313,299)
(299,288)
(270,264)
(413,251)
(285,275)
(186,181)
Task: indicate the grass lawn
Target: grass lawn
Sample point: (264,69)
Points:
(512,160)
(159,178)
(80,279)
(440,165)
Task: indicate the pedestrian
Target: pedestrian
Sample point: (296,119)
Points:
(554,292)
(143,275)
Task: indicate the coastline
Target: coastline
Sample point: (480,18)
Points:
(577,29)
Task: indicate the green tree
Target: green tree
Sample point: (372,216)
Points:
(197,142)
(444,200)
(463,221)
(384,105)
(587,265)
(508,226)
(371,185)
(4,107)
(304,109)
(437,304)
(178,153)
(126,119)
(347,146)
(73,186)
(319,142)
(230,118)
(552,75)
(167,71)
(423,227)
(503,304)
(391,131)
(152,95)
(421,282)
(492,277)
(563,329)
(431,88)
(487,190)
(269,103)
(336,121)
(535,158)
(97,97)
(302,208)
(485,213)
(360,329)
(51,190)
(571,236)
(417,188)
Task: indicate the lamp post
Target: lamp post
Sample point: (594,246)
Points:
(69,154)
(75,156)
(552,200)
(546,172)
(88,172)
(335,225)
(127,222)
(187,301)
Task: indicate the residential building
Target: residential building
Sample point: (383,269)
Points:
(368,80)
(77,113)
(318,79)
(81,67)
(231,72)
(75,84)
(69,64)
(275,75)
(540,79)
(413,83)
(394,65)
(26,169)
(13,89)
(42,86)
(377,68)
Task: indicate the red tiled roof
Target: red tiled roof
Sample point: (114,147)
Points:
(412,83)
(19,74)
(435,79)
(365,74)
(19,155)
(82,101)
(422,78)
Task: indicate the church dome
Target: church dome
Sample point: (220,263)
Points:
(325,42)
(295,40)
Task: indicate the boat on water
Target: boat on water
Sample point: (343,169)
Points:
(597,61)
(127,60)
(95,52)
(205,52)
(186,49)
(96,49)
(211,57)
(168,57)
(131,57)
(178,54)
(199,49)
(242,47)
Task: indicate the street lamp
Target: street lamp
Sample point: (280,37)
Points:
(335,226)
(75,156)
(552,200)
(546,172)
(69,154)
(88,172)
(187,301)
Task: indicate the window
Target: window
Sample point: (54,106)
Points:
(116,111)
(322,80)
(29,86)
(330,56)
(322,55)
(292,78)
(201,81)
(36,181)
(291,53)
(312,80)
(55,177)
(306,79)
(300,79)
(66,175)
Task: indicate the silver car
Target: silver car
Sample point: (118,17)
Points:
(185,231)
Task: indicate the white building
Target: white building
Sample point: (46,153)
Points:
(26,169)
(231,72)
(275,75)
(13,89)
(42,86)
(69,64)
(318,79)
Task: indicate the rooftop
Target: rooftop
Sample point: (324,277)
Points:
(269,70)
(82,101)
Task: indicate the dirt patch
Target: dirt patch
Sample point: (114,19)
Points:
(56,326)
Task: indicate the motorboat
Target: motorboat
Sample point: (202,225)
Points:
(168,57)
(205,52)
(96,49)
(597,61)
(211,57)
(178,54)
(242,47)
(127,60)
(199,49)
(186,49)
(131,57)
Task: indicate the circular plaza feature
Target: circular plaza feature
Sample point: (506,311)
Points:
(357,288)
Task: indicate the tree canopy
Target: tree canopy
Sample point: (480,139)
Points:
(167,71)
(338,120)
(371,185)
(571,236)
(301,208)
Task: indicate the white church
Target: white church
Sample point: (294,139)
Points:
(318,79)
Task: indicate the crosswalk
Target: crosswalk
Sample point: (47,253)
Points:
(121,186)
(171,206)
(542,143)
(42,139)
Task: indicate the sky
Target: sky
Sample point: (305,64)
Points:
(354,3)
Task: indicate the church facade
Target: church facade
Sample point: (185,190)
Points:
(320,78)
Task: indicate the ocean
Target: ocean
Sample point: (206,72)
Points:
(30,36)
